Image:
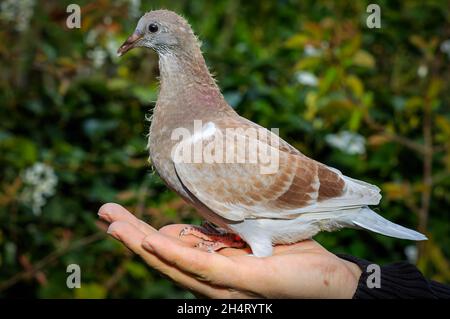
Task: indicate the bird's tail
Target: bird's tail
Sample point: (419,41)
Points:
(368,219)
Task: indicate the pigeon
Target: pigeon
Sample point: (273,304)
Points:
(258,189)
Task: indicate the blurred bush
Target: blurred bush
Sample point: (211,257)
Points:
(372,102)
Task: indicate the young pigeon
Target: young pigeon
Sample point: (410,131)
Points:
(293,202)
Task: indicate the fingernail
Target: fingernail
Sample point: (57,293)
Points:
(147,246)
(103,216)
(112,233)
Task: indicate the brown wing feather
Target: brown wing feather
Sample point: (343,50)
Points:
(331,184)
(238,191)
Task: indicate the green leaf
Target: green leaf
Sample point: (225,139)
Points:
(355,120)
(297,41)
(364,59)
(90,291)
(137,270)
(355,85)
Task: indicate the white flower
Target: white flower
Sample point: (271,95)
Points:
(445,47)
(310,50)
(411,253)
(8,10)
(422,71)
(18,12)
(347,142)
(91,37)
(98,56)
(40,182)
(306,78)
(111,47)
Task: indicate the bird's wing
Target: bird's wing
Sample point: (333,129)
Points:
(281,183)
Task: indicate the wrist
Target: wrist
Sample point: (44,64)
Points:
(351,279)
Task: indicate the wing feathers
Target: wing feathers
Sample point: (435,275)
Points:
(239,191)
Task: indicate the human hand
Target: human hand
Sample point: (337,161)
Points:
(301,270)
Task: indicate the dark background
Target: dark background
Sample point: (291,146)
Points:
(373,103)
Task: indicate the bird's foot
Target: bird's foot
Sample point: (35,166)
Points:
(213,239)
(212,246)
(205,231)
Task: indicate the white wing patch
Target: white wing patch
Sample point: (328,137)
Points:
(207,131)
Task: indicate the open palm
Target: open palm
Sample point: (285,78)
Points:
(301,270)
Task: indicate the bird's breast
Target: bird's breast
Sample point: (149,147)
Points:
(161,144)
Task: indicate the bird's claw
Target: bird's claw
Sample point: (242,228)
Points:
(212,239)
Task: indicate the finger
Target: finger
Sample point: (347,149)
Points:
(128,234)
(112,212)
(173,230)
(132,237)
(209,267)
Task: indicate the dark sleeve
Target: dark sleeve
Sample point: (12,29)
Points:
(398,280)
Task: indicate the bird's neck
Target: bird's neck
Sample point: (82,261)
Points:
(186,84)
(176,68)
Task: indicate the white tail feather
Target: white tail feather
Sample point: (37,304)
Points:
(368,219)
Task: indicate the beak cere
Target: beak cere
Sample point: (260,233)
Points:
(129,43)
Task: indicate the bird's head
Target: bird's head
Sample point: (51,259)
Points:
(161,30)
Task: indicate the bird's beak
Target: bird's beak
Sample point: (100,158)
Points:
(129,43)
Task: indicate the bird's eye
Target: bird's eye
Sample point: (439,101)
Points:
(152,27)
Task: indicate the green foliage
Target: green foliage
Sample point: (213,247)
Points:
(309,68)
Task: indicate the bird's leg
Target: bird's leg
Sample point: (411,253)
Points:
(213,238)
(207,225)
